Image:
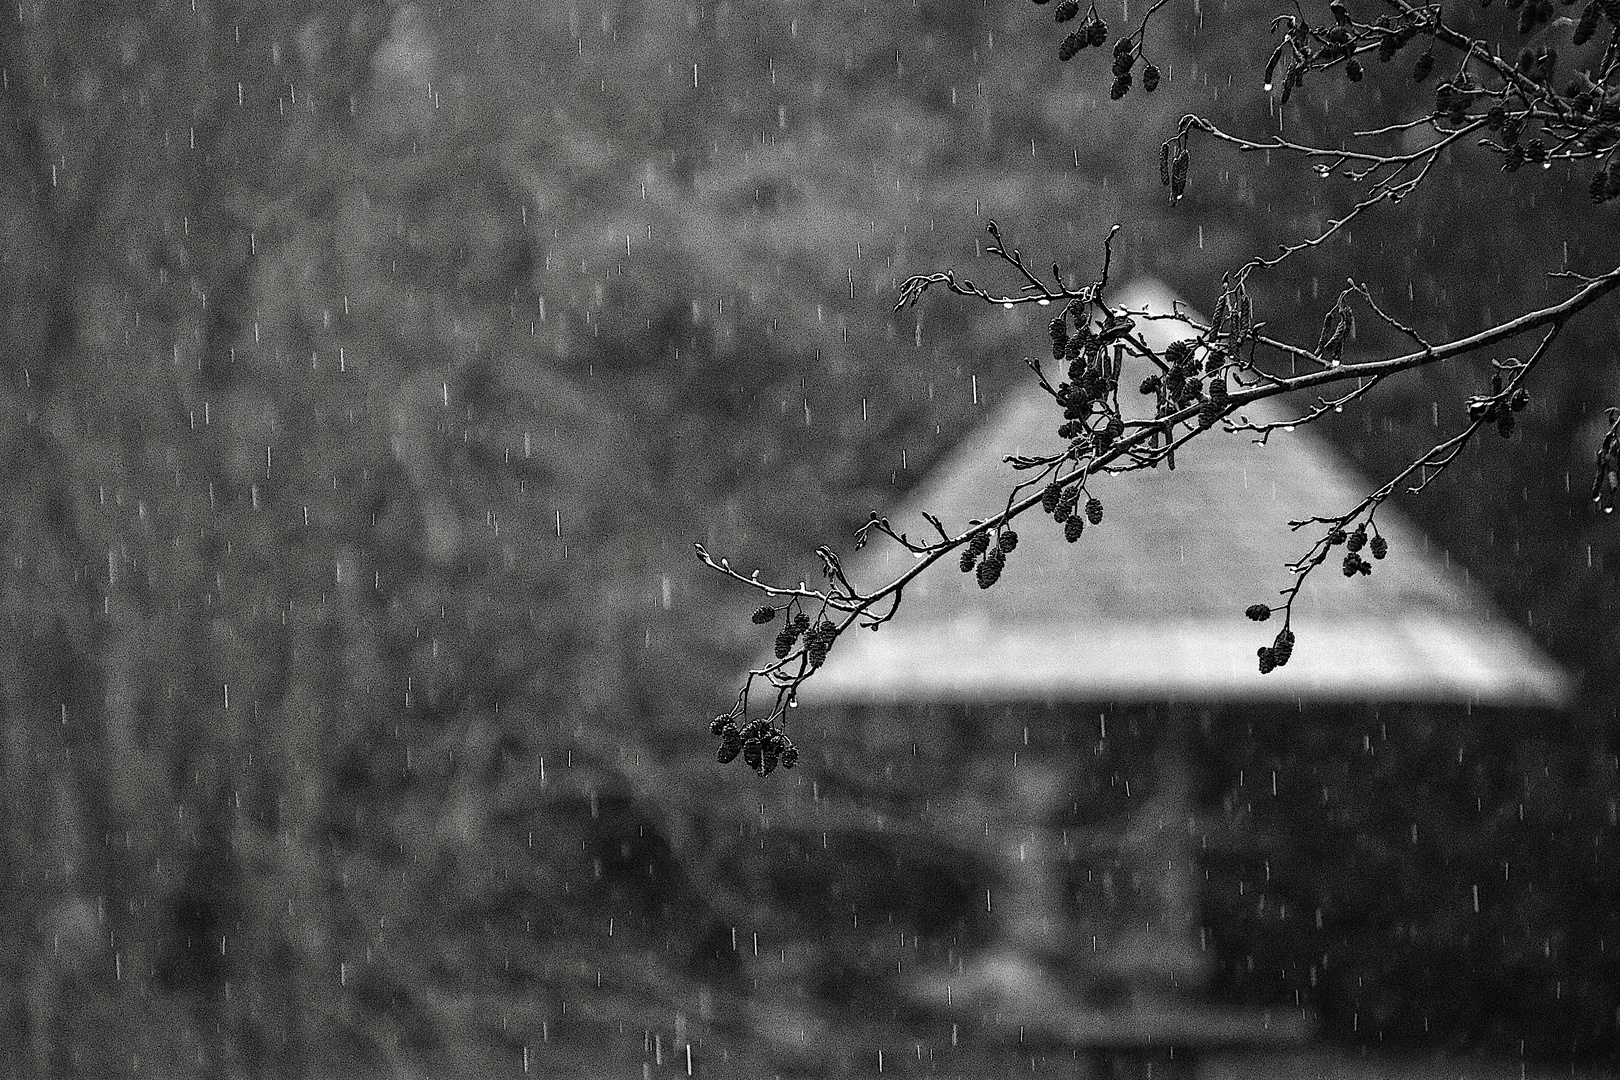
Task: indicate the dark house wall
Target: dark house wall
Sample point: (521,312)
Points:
(1404,872)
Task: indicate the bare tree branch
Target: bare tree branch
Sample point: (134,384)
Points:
(1223,365)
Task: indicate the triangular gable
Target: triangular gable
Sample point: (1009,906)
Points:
(1149,604)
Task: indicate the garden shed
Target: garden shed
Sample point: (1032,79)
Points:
(1065,726)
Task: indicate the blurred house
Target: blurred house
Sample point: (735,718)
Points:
(1056,727)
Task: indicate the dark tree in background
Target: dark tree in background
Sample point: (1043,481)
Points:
(152,658)
(279,602)
(367,367)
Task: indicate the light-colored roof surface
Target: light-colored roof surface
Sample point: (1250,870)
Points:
(1149,604)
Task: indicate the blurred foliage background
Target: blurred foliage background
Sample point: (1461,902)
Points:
(372,368)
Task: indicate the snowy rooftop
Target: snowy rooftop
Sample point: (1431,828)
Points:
(1149,604)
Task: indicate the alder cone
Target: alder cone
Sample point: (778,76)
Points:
(1178,173)
(784,642)
(1586,26)
(990,569)
(1599,187)
(1283,647)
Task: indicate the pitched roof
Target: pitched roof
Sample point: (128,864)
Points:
(1149,604)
